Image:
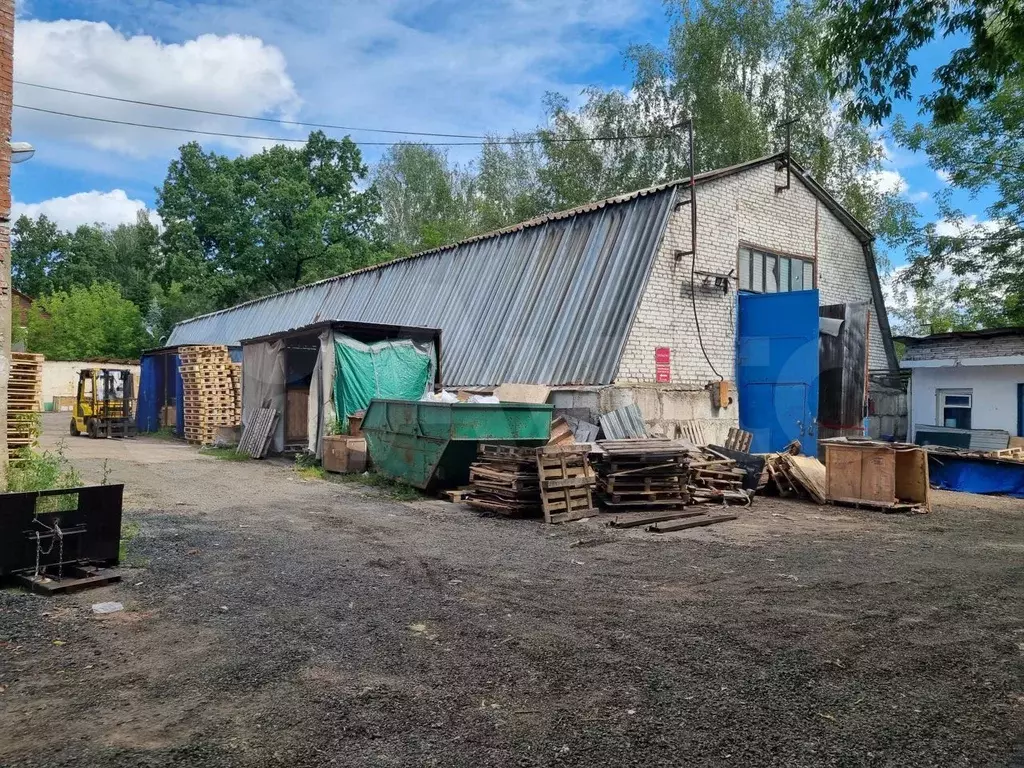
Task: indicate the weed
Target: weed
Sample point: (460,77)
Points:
(45,471)
(164,433)
(312,473)
(227,454)
(129,530)
(306,460)
(106,472)
(396,489)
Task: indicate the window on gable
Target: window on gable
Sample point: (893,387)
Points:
(761,272)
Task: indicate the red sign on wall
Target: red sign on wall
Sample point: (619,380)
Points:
(662,364)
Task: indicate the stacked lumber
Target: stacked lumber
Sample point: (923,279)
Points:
(212,392)
(504,479)
(715,479)
(566,483)
(24,393)
(643,473)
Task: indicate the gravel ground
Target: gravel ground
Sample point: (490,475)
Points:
(275,621)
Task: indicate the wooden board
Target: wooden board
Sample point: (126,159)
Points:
(811,474)
(523,393)
(844,472)
(296,415)
(912,477)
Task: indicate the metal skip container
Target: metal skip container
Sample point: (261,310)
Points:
(431,445)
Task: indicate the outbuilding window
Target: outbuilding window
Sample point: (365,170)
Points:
(954,407)
(765,272)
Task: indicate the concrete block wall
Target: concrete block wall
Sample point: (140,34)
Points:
(959,349)
(740,209)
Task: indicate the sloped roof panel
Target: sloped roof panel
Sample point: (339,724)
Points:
(549,303)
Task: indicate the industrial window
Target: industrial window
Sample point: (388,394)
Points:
(762,272)
(954,407)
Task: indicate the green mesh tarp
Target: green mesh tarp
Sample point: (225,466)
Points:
(396,370)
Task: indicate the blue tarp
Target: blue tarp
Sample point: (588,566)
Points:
(147,416)
(976,475)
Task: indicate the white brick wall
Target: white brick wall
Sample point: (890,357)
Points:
(958,349)
(743,208)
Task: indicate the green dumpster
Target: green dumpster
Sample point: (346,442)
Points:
(431,445)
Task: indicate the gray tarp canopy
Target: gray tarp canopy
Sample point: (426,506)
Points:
(264,372)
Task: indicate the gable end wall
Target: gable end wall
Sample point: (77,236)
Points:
(743,208)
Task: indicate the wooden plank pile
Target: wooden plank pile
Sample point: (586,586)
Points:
(715,479)
(504,479)
(789,474)
(212,392)
(643,473)
(24,390)
(566,483)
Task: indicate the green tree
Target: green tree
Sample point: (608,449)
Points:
(508,184)
(425,201)
(86,323)
(868,44)
(37,246)
(740,69)
(45,259)
(982,150)
(237,228)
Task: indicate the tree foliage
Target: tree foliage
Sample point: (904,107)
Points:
(242,227)
(982,150)
(86,323)
(868,46)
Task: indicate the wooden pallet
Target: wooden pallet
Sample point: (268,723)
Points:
(503,480)
(24,401)
(738,440)
(566,483)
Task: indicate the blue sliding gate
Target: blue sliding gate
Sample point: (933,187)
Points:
(777,369)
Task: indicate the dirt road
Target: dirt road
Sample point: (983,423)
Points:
(273,621)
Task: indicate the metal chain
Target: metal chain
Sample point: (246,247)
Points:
(60,555)
(58,534)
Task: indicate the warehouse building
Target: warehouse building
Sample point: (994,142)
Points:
(608,304)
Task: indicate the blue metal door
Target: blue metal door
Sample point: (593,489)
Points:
(777,369)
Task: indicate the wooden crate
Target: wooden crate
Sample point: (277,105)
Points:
(870,473)
(566,483)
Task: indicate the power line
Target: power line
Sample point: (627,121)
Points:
(249,117)
(222,134)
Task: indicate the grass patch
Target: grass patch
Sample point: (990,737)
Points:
(164,433)
(129,530)
(45,471)
(396,489)
(227,454)
(312,473)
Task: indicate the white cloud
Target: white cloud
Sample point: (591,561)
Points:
(886,181)
(944,176)
(919,197)
(108,208)
(229,73)
(964,226)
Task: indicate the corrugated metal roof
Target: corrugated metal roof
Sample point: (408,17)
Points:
(551,302)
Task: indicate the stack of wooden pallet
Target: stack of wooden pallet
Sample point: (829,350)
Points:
(715,478)
(643,473)
(24,393)
(504,479)
(212,392)
(566,483)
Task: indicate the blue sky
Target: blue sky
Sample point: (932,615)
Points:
(431,65)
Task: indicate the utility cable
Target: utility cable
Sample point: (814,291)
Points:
(197,111)
(572,139)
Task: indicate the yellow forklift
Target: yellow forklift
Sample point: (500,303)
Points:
(105,405)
